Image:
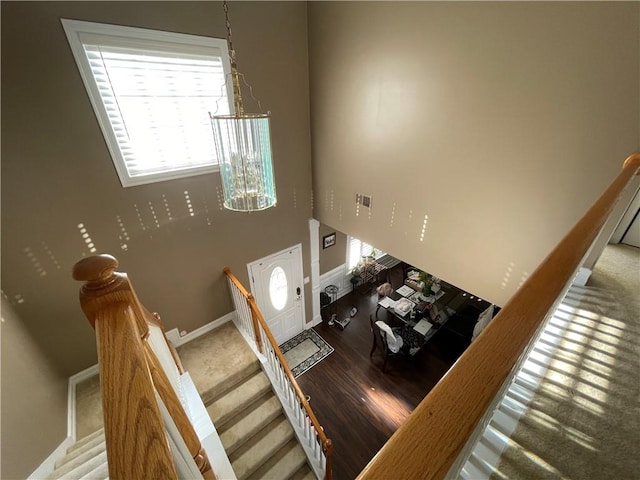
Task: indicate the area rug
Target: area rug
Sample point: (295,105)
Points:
(304,351)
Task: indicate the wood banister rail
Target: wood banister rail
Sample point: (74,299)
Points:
(130,373)
(327,444)
(428,443)
(249,297)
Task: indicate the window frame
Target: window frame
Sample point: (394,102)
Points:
(137,37)
(350,240)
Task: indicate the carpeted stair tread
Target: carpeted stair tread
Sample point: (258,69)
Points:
(217,361)
(246,426)
(304,473)
(284,464)
(238,399)
(93,447)
(261,447)
(87,439)
(101,472)
(79,467)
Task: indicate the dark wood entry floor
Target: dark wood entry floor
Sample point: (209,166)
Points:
(359,406)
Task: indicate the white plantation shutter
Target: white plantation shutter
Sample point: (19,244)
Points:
(152,93)
(357,250)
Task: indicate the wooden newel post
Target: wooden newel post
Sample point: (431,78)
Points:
(137,445)
(328,453)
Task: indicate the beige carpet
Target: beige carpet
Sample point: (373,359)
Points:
(584,420)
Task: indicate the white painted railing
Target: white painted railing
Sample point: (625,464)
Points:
(317,447)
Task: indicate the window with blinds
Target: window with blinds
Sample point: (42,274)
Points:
(152,92)
(359,249)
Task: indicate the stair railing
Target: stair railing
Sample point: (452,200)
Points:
(314,441)
(429,442)
(148,433)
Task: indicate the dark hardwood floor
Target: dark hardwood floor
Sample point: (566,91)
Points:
(359,406)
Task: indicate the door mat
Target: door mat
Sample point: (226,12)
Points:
(304,351)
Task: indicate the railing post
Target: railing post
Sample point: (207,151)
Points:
(137,445)
(254,319)
(328,453)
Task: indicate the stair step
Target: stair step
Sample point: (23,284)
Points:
(94,446)
(230,382)
(84,440)
(79,467)
(238,399)
(261,447)
(284,464)
(304,473)
(101,472)
(79,457)
(248,424)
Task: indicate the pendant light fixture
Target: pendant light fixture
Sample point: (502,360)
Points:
(243,147)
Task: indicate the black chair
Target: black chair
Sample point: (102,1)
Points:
(379,338)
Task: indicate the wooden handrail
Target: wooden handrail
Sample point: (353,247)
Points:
(130,373)
(327,444)
(137,446)
(184,425)
(428,443)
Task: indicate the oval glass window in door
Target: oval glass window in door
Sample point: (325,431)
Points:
(278,288)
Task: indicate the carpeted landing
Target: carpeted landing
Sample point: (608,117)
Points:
(582,421)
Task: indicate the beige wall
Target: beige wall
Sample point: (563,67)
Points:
(482,131)
(33,398)
(57,173)
(334,256)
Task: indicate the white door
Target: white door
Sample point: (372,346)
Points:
(277,285)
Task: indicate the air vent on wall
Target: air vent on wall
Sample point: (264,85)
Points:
(363,200)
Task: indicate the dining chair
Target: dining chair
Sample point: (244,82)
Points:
(379,339)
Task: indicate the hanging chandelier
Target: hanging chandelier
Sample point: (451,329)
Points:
(243,147)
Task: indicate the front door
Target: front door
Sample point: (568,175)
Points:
(276,284)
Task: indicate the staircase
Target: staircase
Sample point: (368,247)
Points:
(85,459)
(256,435)
(569,412)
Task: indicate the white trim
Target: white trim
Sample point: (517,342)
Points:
(74,380)
(79,32)
(314,240)
(174,336)
(339,278)
(46,468)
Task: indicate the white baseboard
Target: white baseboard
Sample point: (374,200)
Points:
(46,468)
(174,335)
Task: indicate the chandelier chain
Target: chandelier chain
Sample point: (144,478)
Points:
(235,77)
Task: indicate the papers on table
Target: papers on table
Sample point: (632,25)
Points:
(405,291)
(386,302)
(422,327)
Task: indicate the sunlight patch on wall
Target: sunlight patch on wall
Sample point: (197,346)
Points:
(123,236)
(424,227)
(166,207)
(220,197)
(393,215)
(52,257)
(153,214)
(187,199)
(312,200)
(35,263)
(295,198)
(523,279)
(86,238)
(142,225)
(507,275)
